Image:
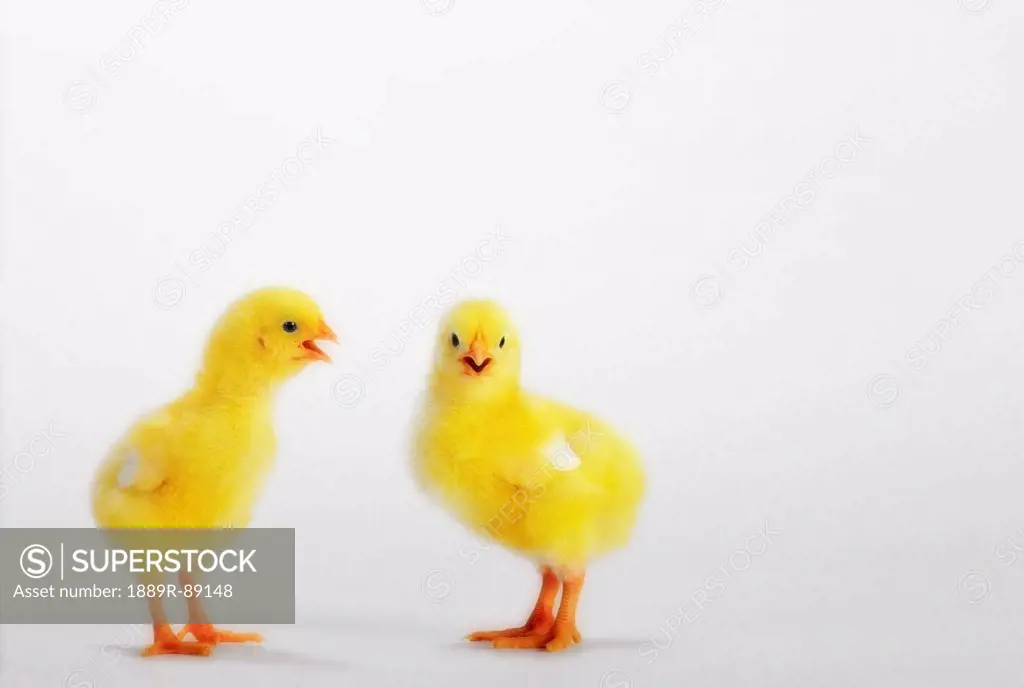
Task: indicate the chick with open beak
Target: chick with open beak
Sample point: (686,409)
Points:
(314,352)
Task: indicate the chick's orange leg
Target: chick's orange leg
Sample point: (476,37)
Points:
(201,628)
(165,642)
(540,620)
(563,632)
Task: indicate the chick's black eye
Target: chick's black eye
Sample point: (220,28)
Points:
(501,344)
(289,326)
(455,340)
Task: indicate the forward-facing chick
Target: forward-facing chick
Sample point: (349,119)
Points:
(201,460)
(550,482)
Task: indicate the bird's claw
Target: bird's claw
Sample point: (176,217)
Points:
(490,636)
(532,627)
(166,642)
(552,639)
(178,648)
(208,634)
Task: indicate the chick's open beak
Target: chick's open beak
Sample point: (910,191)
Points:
(478,359)
(314,352)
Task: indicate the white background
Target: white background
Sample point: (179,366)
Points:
(754,395)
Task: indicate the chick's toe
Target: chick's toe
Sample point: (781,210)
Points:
(208,634)
(165,642)
(557,637)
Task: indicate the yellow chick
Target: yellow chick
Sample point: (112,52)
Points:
(201,461)
(552,483)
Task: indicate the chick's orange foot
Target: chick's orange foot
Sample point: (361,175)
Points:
(560,634)
(542,618)
(207,633)
(530,628)
(165,642)
(553,639)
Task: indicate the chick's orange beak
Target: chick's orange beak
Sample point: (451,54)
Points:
(477,359)
(327,333)
(314,352)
